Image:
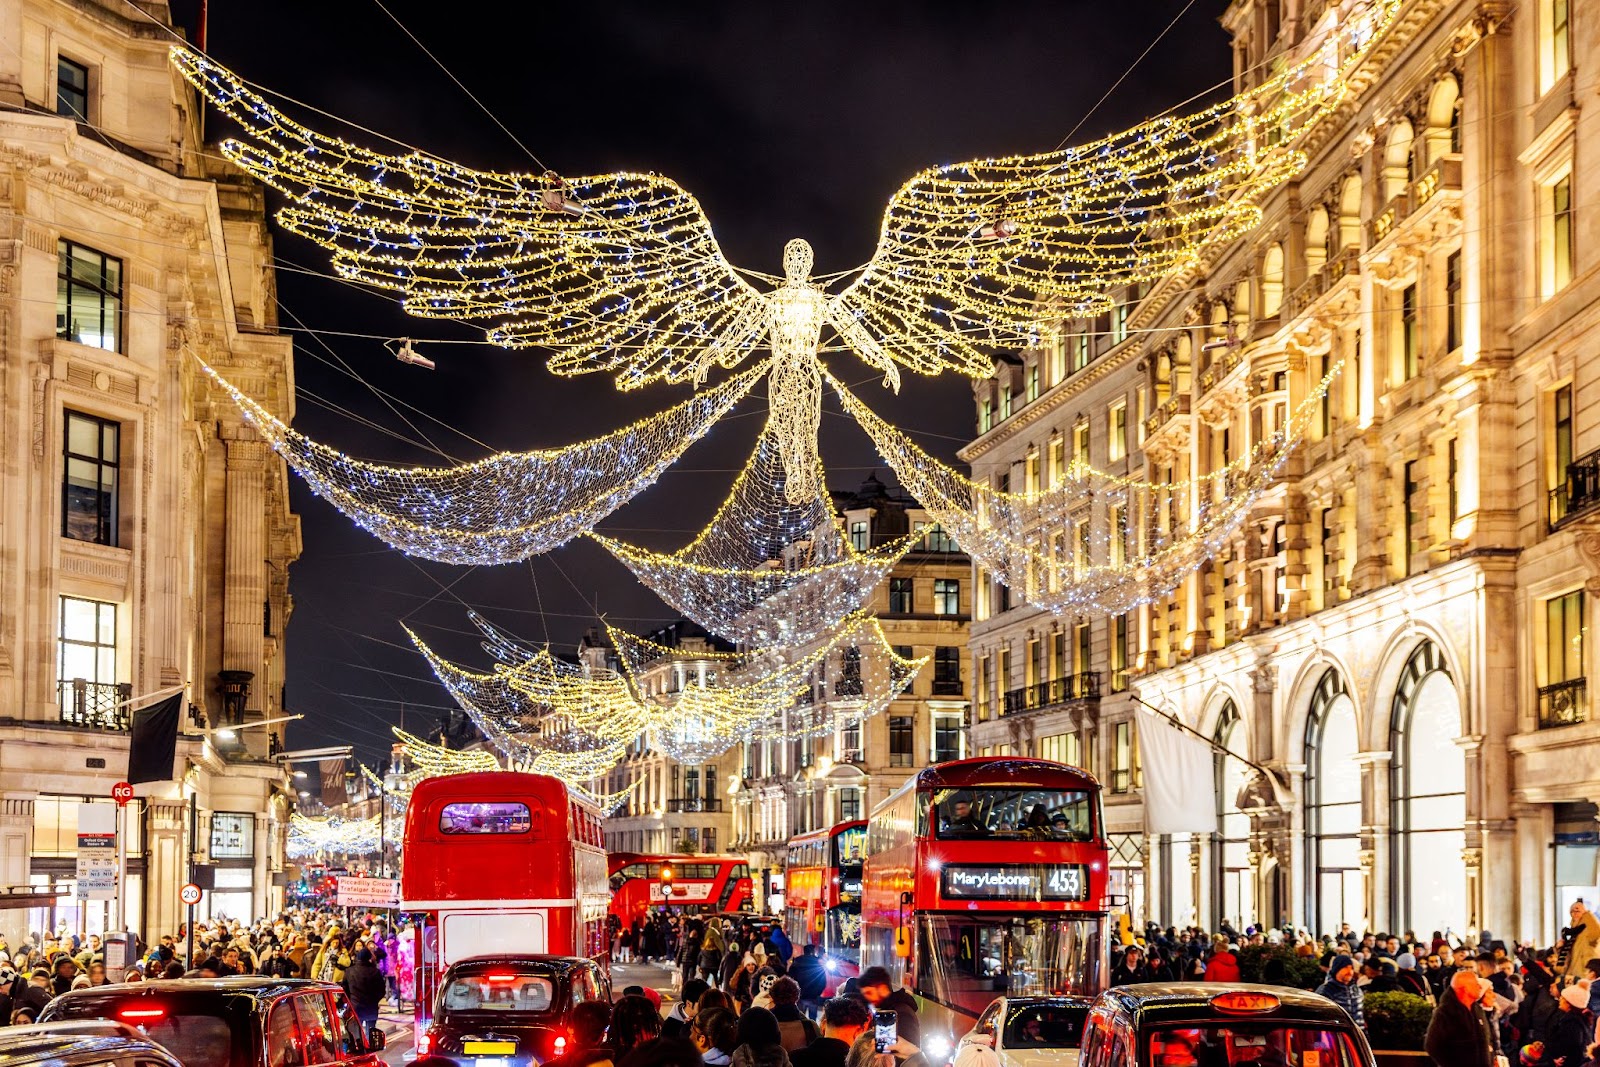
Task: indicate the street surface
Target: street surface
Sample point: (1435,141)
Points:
(396,1025)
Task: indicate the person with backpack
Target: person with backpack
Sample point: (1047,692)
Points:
(795,1029)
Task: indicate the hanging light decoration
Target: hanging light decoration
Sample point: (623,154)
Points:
(325,836)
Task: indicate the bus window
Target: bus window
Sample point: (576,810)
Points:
(966,961)
(489,817)
(852,845)
(1041,814)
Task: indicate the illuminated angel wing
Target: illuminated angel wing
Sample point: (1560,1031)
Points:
(618,272)
(978,256)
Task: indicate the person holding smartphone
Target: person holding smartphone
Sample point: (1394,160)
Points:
(873,984)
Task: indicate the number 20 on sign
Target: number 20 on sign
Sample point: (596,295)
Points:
(189,894)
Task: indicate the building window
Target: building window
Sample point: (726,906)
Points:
(849,804)
(1031,472)
(86,664)
(88,297)
(1080,443)
(1117,446)
(1408,490)
(901,596)
(1452,473)
(1080,352)
(232,835)
(1555,42)
(1058,461)
(1081,560)
(934,539)
(946,670)
(1122,757)
(1082,633)
(946,738)
(90,490)
(850,739)
(1560,452)
(1562,698)
(947,596)
(1408,333)
(902,752)
(1452,302)
(985,686)
(1119,653)
(1117,546)
(1033,382)
(986,415)
(72,89)
(858,536)
(1556,249)
(1119,322)
(1005,399)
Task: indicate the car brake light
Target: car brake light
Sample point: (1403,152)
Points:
(1243,1003)
(501,977)
(425,1043)
(561,1045)
(143,1013)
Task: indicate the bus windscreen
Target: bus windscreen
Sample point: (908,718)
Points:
(852,846)
(991,812)
(965,961)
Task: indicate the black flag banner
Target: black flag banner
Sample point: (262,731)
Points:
(333,793)
(153,741)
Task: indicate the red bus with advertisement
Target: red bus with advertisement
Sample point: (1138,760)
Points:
(822,896)
(700,885)
(501,863)
(983,878)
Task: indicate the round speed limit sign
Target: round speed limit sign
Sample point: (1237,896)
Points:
(189,894)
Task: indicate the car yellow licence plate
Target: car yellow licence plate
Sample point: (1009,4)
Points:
(485,1048)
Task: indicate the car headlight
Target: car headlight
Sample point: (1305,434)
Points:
(830,965)
(937,1048)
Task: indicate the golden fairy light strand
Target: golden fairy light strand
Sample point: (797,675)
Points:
(509,506)
(621,273)
(765,570)
(1050,557)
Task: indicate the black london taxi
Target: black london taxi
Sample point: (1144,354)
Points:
(511,1010)
(90,1043)
(233,1022)
(1206,1024)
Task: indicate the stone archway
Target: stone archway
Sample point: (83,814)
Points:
(1428,801)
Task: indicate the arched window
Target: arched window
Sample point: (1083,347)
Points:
(1397,167)
(1272,281)
(1316,240)
(1350,213)
(1443,135)
(1234,896)
(1429,794)
(1333,808)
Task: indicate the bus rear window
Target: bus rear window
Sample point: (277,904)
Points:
(1263,1044)
(486,817)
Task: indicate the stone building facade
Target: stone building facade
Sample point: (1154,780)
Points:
(1396,641)
(145,532)
(787,787)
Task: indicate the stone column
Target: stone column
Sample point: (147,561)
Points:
(245,553)
(1375,825)
(1292,843)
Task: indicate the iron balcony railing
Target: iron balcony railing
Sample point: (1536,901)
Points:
(1579,493)
(95,705)
(1563,704)
(1073,687)
(695,804)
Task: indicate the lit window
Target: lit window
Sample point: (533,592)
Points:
(89,493)
(1452,301)
(1555,42)
(1058,461)
(72,89)
(1080,351)
(1117,447)
(1120,657)
(1080,443)
(986,415)
(1563,659)
(1560,484)
(1119,322)
(88,297)
(1556,239)
(86,663)
(859,537)
(934,539)
(947,596)
(1408,333)
(1122,757)
(1033,382)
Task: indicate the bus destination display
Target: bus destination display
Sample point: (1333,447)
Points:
(1068,881)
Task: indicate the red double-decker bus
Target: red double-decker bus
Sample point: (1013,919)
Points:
(983,878)
(501,863)
(822,896)
(700,885)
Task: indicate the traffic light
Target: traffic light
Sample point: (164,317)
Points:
(666,883)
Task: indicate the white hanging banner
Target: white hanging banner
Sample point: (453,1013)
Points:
(1179,779)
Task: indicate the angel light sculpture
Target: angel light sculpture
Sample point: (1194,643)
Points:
(621,272)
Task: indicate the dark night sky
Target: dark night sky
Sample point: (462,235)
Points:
(784,120)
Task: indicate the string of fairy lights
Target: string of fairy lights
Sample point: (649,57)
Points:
(621,274)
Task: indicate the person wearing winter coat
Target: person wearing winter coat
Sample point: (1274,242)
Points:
(760,1041)
(1571,1031)
(366,987)
(331,960)
(711,948)
(797,1031)
(1581,940)
(1341,988)
(1223,965)
(676,1024)
(811,976)
(1409,978)
(1459,1035)
(1538,1010)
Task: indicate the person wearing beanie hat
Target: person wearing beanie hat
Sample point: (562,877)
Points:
(976,1054)
(1567,1038)
(1410,979)
(1459,1033)
(1341,988)
(1532,1054)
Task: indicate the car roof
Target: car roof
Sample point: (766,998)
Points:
(1160,1002)
(254,986)
(1064,1000)
(521,959)
(91,1039)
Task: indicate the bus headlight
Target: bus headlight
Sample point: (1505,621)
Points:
(830,965)
(937,1050)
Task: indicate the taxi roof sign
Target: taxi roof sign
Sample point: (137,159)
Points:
(1244,1002)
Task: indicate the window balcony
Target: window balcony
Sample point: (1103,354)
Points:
(1563,704)
(95,705)
(1579,494)
(693,804)
(1168,410)
(1070,689)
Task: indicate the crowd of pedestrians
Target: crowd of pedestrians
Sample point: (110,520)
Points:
(364,954)
(1491,1003)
